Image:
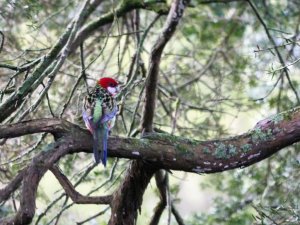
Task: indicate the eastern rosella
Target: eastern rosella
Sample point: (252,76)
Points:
(99,113)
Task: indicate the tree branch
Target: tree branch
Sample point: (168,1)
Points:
(128,198)
(2,40)
(161,183)
(157,150)
(123,8)
(175,14)
(219,1)
(265,139)
(13,185)
(75,195)
(54,126)
(92,217)
(48,65)
(31,178)
(176,214)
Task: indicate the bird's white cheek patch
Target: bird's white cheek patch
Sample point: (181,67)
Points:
(112,90)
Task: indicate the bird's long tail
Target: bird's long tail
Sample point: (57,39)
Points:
(96,137)
(100,139)
(104,144)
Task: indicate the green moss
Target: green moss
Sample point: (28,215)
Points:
(260,135)
(145,142)
(220,151)
(129,3)
(181,148)
(223,151)
(140,143)
(246,148)
(184,150)
(232,150)
(287,116)
(160,8)
(171,138)
(206,150)
(277,118)
(135,143)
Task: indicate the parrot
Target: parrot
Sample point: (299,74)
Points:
(99,113)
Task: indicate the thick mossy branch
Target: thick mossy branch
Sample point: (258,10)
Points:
(160,151)
(178,153)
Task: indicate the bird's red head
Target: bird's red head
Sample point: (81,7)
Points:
(110,84)
(106,82)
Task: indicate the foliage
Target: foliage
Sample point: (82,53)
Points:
(220,67)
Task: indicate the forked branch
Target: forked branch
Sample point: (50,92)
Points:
(75,195)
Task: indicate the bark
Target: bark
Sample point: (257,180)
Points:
(31,178)
(175,14)
(177,153)
(161,179)
(149,154)
(75,195)
(157,151)
(127,200)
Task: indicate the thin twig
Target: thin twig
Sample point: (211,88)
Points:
(136,110)
(28,151)
(71,94)
(33,107)
(83,67)
(277,46)
(132,78)
(103,47)
(75,195)
(19,70)
(110,178)
(93,217)
(284,68)
(263,214)
(2,41)
(49,103)
(87,171)
(177,215)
